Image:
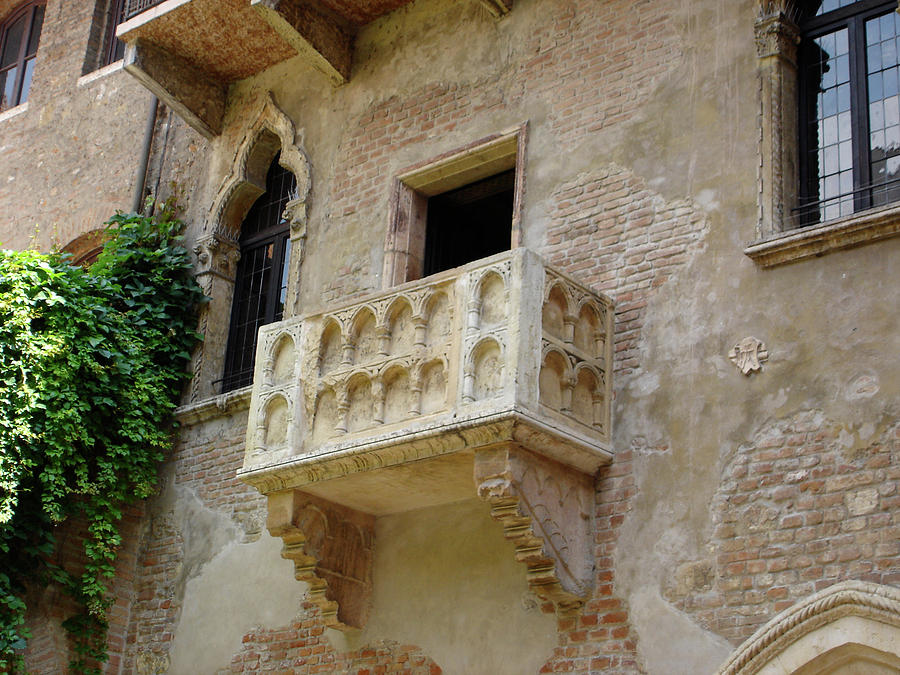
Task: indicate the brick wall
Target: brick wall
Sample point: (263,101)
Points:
(797,511)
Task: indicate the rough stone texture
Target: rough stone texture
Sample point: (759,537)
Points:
(72,155)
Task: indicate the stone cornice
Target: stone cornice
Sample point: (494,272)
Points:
(793,245)
(214,407)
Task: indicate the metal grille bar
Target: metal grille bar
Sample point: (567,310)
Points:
(135,7)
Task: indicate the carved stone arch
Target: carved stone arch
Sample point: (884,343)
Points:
(852,623)
(270,132)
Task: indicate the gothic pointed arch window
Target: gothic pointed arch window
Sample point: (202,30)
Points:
(261,280)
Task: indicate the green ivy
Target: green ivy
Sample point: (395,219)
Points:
(92,362)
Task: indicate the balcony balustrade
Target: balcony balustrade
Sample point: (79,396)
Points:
(135,7)
(490,379)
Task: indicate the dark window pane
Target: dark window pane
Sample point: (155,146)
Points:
(36,26)
(13,41)
(469,223)
(261,283)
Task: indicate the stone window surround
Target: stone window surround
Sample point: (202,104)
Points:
(404,248)
(269,132)
(15,111)
(777,37)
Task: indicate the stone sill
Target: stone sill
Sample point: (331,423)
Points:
(214,407)
(808,242)
(14,111)
(113,67)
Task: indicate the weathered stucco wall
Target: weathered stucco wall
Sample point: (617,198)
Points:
(731,496)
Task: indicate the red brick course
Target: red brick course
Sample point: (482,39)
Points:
(797,512)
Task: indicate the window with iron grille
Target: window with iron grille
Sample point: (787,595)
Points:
(261,282)
(114,48)
(20,33)
(849,108)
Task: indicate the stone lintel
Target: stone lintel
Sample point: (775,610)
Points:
(325,40)
(546,512)
(331,547)
(193,95)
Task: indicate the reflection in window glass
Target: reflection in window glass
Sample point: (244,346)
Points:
(831,5)
(850,93)
(832,147)
(884,107)
(19,38)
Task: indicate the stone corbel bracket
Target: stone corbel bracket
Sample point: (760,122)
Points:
(321,37)
(545,510)
(331,547)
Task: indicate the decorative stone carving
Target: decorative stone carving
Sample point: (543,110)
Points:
(545,510)
(855,621)
(412,386)
(748,355)
(776,35)
(218,255)
(270,132)
(419,362)
(331,547)
(776,42)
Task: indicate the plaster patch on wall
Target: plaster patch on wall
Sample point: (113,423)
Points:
(615,234)
(219,610)
(203,531)
(419,572)
(793,506)
(691,653)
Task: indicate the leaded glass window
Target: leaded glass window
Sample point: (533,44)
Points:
(850,108)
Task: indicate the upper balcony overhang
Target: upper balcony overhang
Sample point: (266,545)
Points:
(187,52)
(490,379)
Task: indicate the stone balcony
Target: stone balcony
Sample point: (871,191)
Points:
(490,379)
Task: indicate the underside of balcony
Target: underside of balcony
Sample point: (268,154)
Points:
(187,52)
